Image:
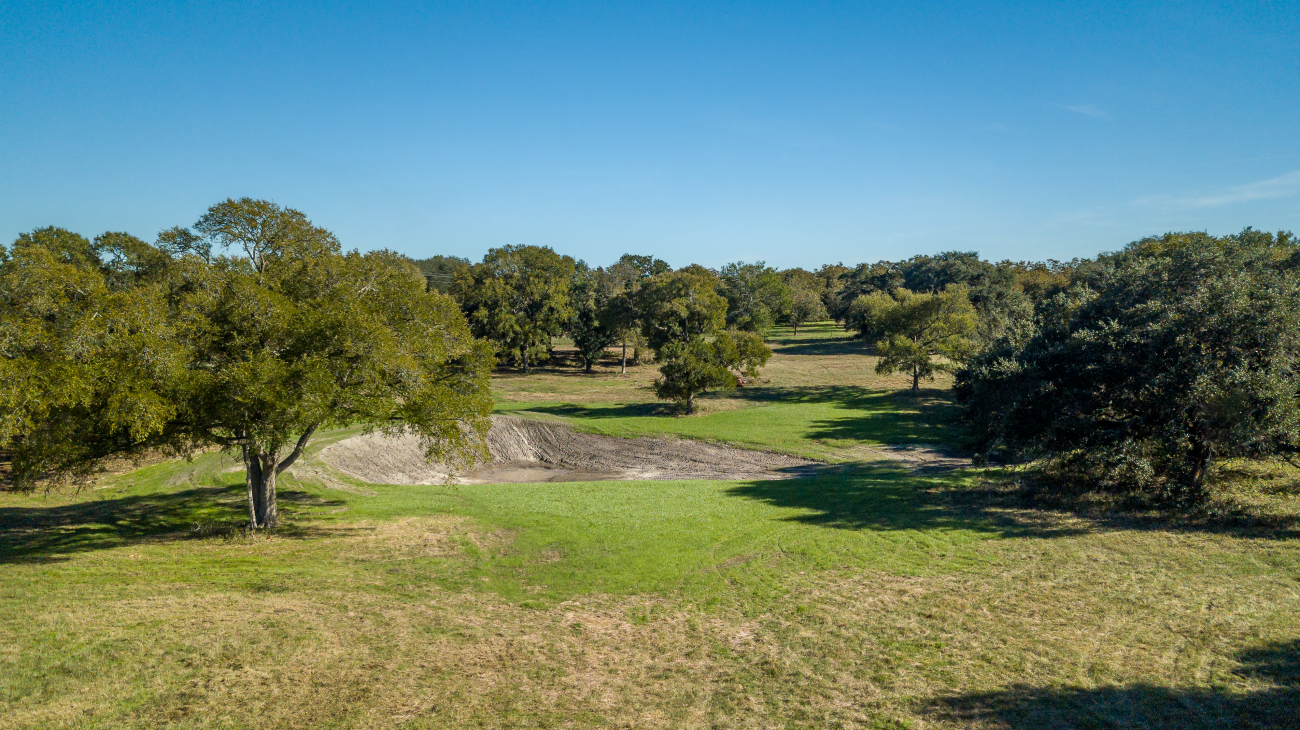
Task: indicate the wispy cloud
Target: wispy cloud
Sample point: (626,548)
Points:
(1282,186)
(1088,110)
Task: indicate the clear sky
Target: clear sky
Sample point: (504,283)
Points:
(798,133)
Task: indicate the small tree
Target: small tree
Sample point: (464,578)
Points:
(517,298)
(698,366)
(914,329)
(805,306)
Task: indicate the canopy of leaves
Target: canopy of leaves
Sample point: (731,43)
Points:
(440,271)
(690,368)
(517,298)
(756,295)
(160,346)
(1186,350)
(912,330)
(680,306)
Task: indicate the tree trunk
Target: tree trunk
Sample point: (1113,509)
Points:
(690,403)
(796,328)
(259,477)
(270,513)
(623,371)
(916,381)
(1200,456)
(260,472)
(588,368)
(525,359)
(253,480)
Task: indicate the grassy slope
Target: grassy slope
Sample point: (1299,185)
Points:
(867,597)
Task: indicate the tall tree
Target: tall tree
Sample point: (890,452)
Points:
(83,352)
(756,295)
(681,306)
(594,325)
(517,298)
(623,314)
(805,306)
(254,353)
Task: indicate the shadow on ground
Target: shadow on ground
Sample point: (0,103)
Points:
(1145,706)
(886,497)
(620,410)
(33,534)
(875,416)
(838,346)
(898,496)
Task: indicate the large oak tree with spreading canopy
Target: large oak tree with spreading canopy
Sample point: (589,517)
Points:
(143,347)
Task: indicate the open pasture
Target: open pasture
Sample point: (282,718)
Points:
(890,590)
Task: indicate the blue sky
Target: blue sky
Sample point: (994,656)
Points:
(798,133)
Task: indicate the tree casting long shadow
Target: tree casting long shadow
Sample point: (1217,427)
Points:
(891,497)
(30,534)
(1145,706)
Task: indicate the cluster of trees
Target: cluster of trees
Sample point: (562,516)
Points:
(1137,370)
(253,329)
(116,346)
(702,328)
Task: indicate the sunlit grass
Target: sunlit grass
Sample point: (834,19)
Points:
(869,596)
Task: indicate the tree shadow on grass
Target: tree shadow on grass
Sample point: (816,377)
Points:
(897,496)
(1145,706)
(34,534)
(888,497)
(878,416)
(822,348)
(619,410)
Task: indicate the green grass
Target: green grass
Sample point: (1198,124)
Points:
(817,423)
(869,596)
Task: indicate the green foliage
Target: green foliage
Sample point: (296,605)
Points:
(595,324)
(866,279)
(806,305)
(756,295)
(440,271)
(517,298)
(699,365)
(150,349)
(680,306)
(1187,350)
(911,330)
(81,358)
(689,369)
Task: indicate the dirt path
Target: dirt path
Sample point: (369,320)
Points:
(527,450)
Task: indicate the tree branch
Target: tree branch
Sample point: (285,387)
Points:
(297,450)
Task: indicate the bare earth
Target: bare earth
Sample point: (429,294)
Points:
(526,450)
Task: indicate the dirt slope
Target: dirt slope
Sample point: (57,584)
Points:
(526,450)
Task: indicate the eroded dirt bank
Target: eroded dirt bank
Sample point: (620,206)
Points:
(526,450)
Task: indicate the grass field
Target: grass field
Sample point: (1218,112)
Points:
(870,596)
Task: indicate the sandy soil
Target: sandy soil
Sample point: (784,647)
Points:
(526,450)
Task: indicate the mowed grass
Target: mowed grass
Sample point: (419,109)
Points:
(818,397)
(869,596)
